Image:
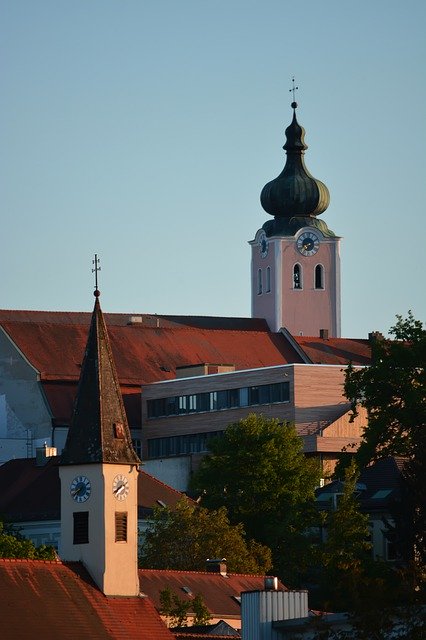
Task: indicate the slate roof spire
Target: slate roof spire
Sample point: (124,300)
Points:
(99,432)
(295,192)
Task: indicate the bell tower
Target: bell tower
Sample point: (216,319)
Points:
(295,265)
(99,474)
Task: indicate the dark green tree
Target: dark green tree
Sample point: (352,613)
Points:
(393,390)
(184,538)
(14,545)
(178,611)
(258,471)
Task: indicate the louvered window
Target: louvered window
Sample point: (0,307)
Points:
(121,526)
(81,527)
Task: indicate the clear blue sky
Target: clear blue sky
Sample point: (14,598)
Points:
(144,130)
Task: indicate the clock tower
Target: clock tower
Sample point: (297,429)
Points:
(99,474)
(295,266)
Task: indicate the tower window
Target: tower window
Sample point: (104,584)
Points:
(297,276)
(121,526)
(81,527)
(268,279)
(319,277)
(259,281)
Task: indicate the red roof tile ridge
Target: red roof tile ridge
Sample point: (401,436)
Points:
(205,573)
(32,560)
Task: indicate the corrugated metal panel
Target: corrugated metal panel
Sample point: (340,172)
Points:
(260,608)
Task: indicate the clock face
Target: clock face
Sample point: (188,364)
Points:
(120,487)
(308,243)
(80,489)
(263,245)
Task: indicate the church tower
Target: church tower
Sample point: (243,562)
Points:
(99,474)
(295,266)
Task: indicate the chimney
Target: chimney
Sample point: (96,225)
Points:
(216,565)
(323,334)
(375,336)
(43,454)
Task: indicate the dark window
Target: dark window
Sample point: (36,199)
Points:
(319,277)
(81,527)
(121,526)
(259,281)
(253,395)
(234,397)
(203,401)
(222,400)
(268,279)
(297,276)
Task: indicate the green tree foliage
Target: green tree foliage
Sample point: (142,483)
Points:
(183,539)
(393,390)
(13,545)
(178,610)
(257,470)
(351,579)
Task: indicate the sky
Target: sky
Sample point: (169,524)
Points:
(144,130)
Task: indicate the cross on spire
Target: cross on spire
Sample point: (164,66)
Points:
(95,270)
(293,90)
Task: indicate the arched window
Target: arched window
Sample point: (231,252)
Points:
(268,279)
(319,277)
(297,276)
(259,281)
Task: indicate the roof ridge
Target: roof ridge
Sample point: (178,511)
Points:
(33,560)
(205,573)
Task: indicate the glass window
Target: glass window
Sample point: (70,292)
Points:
(319,277)
(213,400)
(171,406)
(203,401)
(297,276)
(222,400)
(182,404)
(234,397)
(254,395)
(268,279)
(244,397)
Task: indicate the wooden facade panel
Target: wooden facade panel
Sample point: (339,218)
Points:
(314,444)
(218,382)
(317,386)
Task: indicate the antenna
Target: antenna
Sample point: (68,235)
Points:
(95,270)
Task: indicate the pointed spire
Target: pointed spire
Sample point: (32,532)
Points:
(295,192)
(99,432)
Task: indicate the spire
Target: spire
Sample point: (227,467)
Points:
(295,193)
(99,432)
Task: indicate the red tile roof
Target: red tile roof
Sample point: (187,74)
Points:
(151,349)
(218,591)
(335,350)
(52,600)
(28,492)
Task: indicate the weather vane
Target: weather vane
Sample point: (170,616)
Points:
(95,270)
(293,90)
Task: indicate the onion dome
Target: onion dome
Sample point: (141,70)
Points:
(295,193)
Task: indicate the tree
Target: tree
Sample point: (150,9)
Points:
(178,610)
(183,539)
(393,390)
(13,545)
(258,471)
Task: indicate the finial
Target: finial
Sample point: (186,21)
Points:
(95,270)
(293,90)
